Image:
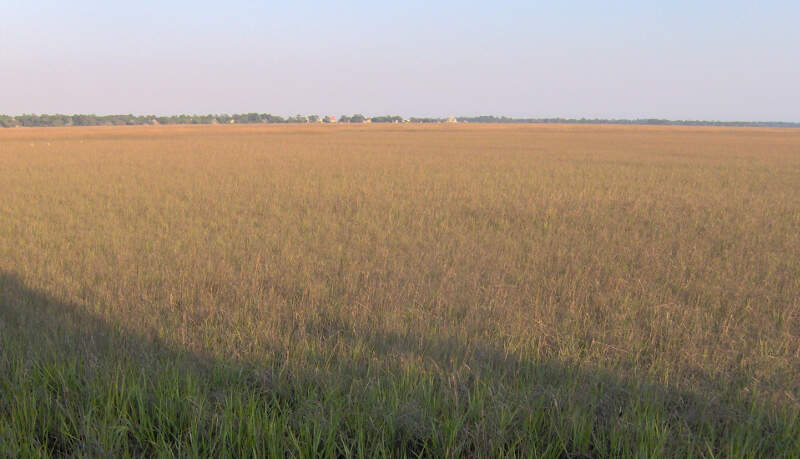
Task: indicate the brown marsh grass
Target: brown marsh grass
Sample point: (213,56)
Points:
(560,290)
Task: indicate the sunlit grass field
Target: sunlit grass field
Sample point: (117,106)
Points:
(401,290)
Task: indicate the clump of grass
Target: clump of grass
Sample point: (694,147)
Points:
(434,291)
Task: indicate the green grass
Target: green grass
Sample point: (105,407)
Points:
(85,395)
(396,291)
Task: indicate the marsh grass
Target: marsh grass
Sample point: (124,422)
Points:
(435,291)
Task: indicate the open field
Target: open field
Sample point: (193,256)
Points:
(438,290)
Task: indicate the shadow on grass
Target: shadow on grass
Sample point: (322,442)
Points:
(73,384)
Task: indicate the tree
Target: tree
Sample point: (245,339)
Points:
(7,121)
(387,119)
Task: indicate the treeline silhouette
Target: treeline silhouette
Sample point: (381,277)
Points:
(55,120)
(638,121)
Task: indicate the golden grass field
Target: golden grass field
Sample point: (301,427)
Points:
(411,289)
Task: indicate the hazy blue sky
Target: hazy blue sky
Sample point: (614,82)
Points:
(724,60)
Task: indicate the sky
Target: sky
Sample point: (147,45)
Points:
(709,60)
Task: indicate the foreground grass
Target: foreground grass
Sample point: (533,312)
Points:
(400,291)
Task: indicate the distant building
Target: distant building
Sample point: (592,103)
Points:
(330,119)
(452,119)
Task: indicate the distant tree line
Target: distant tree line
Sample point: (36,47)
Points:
(33,120)
(640,121)
(131,120)
(427,120)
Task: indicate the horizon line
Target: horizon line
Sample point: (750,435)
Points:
(68,120)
